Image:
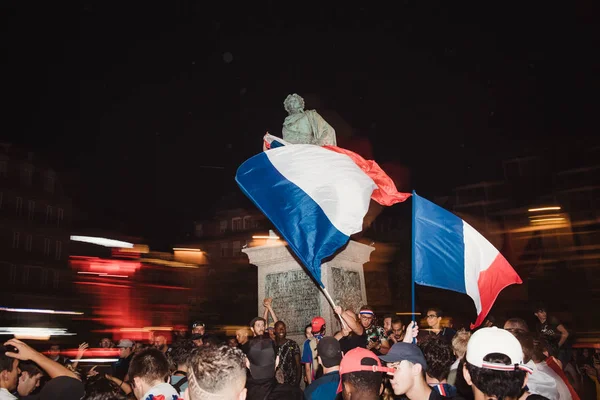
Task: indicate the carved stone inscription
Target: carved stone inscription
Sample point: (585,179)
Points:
(346,288)
(295,299)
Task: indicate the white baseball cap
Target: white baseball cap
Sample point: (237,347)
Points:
(493,340)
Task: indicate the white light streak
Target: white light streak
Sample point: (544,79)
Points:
(39,311)
(40,333)
(553,208)
(102,241)
(96,360)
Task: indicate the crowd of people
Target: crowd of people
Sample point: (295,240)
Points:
(363,360)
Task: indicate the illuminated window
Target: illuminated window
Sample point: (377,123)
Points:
(236,224)
(225,249)
(30,210)
(247,222)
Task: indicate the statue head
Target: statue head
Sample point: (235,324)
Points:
(293,104)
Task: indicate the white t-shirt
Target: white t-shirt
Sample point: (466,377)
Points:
(563,389)
(163,388)
(6,395)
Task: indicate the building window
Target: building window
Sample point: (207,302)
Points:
(198,230)
(236,224)
(247,222)
(49,211)
(58,250)
(49,182)
(30,210)
(60,215)
(26,175)
(225,249)
(19,206)
(223,227)
(46,247)
(16,237)
(28,242)
(236,248)
(3,168)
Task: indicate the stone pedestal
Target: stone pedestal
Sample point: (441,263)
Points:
(296,297)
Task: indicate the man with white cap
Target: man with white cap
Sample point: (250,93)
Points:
(494,366)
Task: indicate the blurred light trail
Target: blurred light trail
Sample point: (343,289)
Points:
(96,360)
(102,241)
(39,311)
(553,208)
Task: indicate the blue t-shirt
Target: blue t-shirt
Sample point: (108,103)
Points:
(324,388)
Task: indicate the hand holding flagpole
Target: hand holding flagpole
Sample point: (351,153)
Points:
(328,296)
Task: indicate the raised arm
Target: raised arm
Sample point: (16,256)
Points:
(350,319)
(52,368)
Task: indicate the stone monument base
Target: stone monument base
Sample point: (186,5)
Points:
(297,298)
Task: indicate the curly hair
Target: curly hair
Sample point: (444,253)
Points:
(459,342)
(499,384)
(439,357)
(180,351)
(215,372)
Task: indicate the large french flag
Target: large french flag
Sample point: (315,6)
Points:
(316,198)
(450,254)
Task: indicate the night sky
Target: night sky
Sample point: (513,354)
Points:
(137,103)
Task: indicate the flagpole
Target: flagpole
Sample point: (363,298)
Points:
(412,278)
(328,296)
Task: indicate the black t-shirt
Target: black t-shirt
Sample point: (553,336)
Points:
(353,341)
(549,331)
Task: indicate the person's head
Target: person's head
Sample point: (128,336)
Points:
(293,104)
(271,331)
(516,325)
(216,373)
(398,328)
(261,358)
(387,322)
(459,343)
(490,321)
(494,365)
(308,331)
(329,353)
(105,343)
(434,318)
(367,316)
(280,330)
(54,351)
(147,369)
(318,326)
(439,357)
(138,346)
(160,342)
(361,374)
(242,335)
(198,327)
(408,367)
(29,380)
(232,342)
(9,370)
(125,347)
(258,325)
(526,341)
(540,311)
(180,352)
(98,387)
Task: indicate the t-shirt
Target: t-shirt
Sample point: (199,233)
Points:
(324,388)
(353,341)
(165,389)
(549,331)
(287,353)
(309,356)
(375,333)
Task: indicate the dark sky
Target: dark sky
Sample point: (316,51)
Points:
(132,101)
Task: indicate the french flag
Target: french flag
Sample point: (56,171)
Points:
(450,254)
(315,197)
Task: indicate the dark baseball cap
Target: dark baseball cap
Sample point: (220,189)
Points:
(261,355)
(329,350)
(405,351)
(198,324)
(62,387)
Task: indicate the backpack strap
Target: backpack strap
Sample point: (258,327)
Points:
(179,384)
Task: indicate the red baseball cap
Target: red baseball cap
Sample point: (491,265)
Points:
(359,359)
(317,324)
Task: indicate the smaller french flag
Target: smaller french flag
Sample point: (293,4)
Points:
(448,253)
